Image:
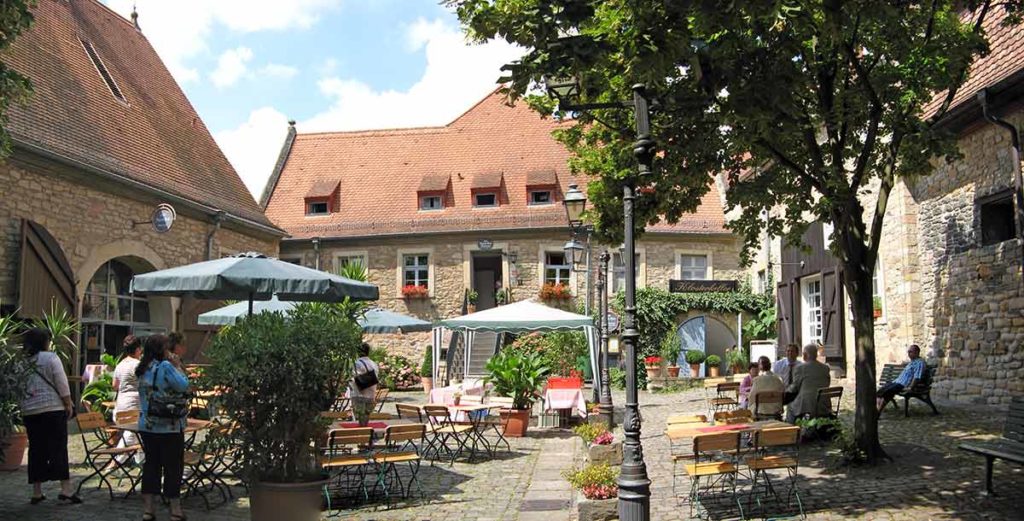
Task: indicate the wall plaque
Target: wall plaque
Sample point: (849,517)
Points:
(701,286)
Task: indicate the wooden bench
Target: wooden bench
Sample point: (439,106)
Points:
(922,390)
(1009,447)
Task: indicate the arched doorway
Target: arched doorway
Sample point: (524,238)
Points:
(110,312)
(704,333)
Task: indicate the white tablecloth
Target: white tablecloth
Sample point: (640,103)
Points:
(565,399)
(446,395)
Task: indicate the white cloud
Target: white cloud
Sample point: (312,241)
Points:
(277,70)
(231,66)
(179,30)
(254,146)
(457,75)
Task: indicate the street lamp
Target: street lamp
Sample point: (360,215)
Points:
(605,408)
(634,485)
(575,202)
(573,252)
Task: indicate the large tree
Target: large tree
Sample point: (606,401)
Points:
(816,108)
(15,17)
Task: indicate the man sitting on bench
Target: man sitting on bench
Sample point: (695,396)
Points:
(911,374)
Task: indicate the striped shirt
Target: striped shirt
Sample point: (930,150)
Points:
(41,396)
(913,371)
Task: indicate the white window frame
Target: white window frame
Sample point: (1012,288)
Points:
(878,284)
(478,194)
(400,268)
(641,270)
(440,200)
(339,255)
(568,280)
(812,325)
(309,206)
(550,201)
(708,268)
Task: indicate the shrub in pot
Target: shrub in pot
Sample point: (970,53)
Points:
(695,357)
(519,376)
(670,349)
(472,298)
(714,363)
(278,374)
(427,371)
(598,484)
(736,359)
(15,370)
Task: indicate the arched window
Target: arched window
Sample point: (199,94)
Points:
(110,312)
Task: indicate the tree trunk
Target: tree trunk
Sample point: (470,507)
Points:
(865,429)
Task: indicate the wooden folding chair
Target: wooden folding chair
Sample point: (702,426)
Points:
(733,417)
(380,397)
(827,394)
(346,460)
(776,449)
(764,398)
(444,429)
(101,454)
(716,474)
(686,418)
(205,466)
(727,397)
(401,445)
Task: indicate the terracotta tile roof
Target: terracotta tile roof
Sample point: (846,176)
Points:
(1006,56)
(154,137)
(323,188)
(542,178)
(487,180)
(381,172)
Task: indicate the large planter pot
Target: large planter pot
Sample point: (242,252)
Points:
(713,371)
(518,421)
(598,509)
(673,371)
(653,371)
(292,501)
(694,370)
(428,385)
(610,454)
(14,451)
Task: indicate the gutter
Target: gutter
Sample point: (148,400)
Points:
(217,219)
(145,188)
(1018,197)
(398,235)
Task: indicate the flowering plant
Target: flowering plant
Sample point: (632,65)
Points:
(600,491)
(605,438)
(551,291)
(652,360)
(396,371)
(594,481)
(415,291)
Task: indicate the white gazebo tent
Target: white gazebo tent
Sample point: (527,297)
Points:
(520,317)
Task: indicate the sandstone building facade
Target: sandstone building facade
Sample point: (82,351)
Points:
(106,137)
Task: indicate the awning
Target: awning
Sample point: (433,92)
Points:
(322,188)
(519,317)
(434,183)
(541,178)
(486,180)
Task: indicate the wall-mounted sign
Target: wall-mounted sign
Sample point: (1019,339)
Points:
(485,244)
(163,218)
(701,286)
(613,321)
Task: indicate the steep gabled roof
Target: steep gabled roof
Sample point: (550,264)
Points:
(381,173)
(153,136)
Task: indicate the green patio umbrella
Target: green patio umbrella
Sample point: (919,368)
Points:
(374,321)
(250,277)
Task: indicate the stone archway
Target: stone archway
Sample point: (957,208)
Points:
(705,332)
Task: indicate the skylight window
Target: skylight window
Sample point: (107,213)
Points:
(104,73)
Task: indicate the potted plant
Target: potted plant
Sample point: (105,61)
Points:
(278,374)
(557,295)
(519,376)
(876,303)
(472,297)
(736,359)
(501,297)
(653,366)
(15,370)
(598,485)
(415,291)
(695,357)
(427,371)
(714,363)
(670,348)
(101,389)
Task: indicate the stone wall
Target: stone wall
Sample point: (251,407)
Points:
(93,224)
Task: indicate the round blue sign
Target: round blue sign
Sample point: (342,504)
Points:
(163,218)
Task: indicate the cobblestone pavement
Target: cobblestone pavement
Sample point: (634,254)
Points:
(929,479)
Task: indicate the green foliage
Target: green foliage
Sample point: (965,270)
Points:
(617,378)
(353,309)
(695,356)
(15,18)
(472,296)
(396,371)
(821,428)
(518,376)
(678,386)
(596,481)
(64,331)
(279,373)
(670,347)
(560,350)
(15,370)
(99,390)
(589,431)
(427,367)
(737,357)
(713,360)
(761,326)
(876,303)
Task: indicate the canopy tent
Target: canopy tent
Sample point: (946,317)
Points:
(520,317)
(373,321)
(251,276)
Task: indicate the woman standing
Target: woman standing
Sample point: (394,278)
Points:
(127,386)
(363,387)
(45,411)
(163,434)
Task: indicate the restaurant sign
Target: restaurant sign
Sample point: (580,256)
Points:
(701,286)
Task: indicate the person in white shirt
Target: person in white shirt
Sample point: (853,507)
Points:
(784,367)
(766,381)
(127,386)
(362,397)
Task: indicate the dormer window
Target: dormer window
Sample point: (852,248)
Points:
(431,194)
(485,199)
(318,208)
(322,198)
(540,197)
(431,202)
(540,187)
(486,188)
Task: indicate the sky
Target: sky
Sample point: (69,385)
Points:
(248,66)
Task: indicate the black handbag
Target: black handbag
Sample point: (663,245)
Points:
(367,379)
(171,405)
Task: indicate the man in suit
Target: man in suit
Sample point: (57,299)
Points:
(808,377)
(785,366)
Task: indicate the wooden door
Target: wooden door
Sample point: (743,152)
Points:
(45,279)
(832,315)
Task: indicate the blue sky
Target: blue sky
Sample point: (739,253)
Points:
(250,65)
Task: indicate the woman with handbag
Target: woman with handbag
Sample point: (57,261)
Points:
(162,420)
(45,410)
(363,387)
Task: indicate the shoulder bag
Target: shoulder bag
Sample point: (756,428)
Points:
(35,367)
(169,404)
(367,379)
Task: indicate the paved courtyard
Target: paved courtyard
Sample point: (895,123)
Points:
(929,479)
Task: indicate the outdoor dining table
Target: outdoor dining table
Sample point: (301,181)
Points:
(555,399)
(689,430)
(476,420)
(192,427)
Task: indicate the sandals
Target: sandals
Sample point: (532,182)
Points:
(73,499)
(37,500)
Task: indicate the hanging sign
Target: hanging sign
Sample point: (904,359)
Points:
(163,218)
(701,286)
(613,321)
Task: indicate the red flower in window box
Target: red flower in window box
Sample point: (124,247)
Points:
(551,291)
(415,291)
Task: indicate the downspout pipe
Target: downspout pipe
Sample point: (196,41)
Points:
(984,98)
(218,218)
(316,252)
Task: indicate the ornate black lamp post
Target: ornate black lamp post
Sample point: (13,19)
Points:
(605,408)
(634,486)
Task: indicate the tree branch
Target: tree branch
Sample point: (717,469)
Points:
(962,76)
(790,164)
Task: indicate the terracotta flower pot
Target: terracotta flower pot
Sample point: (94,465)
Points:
(713,371)
(294,501)
(673,371)
(14,451)
(428,384)
(518,421)
(694,370)
(470,308)
(653,371)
